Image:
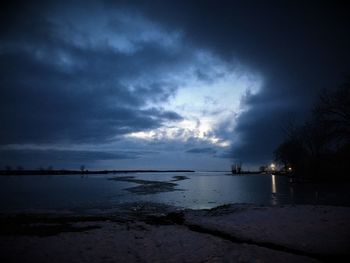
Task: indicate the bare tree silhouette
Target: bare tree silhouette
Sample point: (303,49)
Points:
(321,145)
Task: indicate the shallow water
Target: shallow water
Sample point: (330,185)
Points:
(201,190)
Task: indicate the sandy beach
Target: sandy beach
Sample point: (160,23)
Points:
(149,232)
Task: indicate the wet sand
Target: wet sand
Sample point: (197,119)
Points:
(150,232)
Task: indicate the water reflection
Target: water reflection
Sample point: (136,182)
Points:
(273,184)
(201,190)
(274,200)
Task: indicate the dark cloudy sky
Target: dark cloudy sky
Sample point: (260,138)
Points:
(162,84)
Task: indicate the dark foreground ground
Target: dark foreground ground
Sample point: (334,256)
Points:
(158,233)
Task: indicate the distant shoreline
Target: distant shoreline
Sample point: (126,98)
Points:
(85,172)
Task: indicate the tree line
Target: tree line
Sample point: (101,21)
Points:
(320,148)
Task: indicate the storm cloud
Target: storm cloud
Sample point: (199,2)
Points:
(219,78)
(54,89)
(299,47)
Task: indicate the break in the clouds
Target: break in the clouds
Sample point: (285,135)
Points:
(117,84)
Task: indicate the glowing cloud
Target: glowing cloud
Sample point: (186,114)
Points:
(208,97)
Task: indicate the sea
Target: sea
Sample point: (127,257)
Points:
(201,190)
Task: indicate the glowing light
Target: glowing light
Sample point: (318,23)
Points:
(273,184)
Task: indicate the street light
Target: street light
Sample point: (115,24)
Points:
(273,167)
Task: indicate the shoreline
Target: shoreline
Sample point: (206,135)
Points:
(153,232)
(86,172)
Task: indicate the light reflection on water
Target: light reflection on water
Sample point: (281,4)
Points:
(201,190)
(273,182)
(274,200)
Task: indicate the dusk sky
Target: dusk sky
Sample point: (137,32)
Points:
(162,84)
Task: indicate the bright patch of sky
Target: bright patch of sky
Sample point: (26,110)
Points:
(208,96)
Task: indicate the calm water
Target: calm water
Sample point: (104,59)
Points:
(201,190)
